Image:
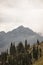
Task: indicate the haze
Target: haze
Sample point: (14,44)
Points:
(28,13)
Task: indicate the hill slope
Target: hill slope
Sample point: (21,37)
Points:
(40,60)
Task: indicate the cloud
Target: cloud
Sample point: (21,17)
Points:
(16,12)
(22,3)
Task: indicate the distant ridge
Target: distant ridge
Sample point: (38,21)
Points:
(21,33)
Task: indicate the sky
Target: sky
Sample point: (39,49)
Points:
(28,13)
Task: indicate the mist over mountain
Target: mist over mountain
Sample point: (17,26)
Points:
(19,34)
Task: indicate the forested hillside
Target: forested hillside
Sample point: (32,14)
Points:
(23,54)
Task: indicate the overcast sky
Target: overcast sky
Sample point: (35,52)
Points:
(14,13)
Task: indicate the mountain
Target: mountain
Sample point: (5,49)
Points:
(19,34)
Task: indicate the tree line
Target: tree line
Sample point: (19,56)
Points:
(21,54)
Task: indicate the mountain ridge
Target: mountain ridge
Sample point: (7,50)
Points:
(21,33)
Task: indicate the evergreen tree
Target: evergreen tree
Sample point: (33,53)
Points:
(40,52)
(34,52)
(37,41)
(12,49)
(30,58)
(20,47)
(26,45)
(3,57)
(37,52)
